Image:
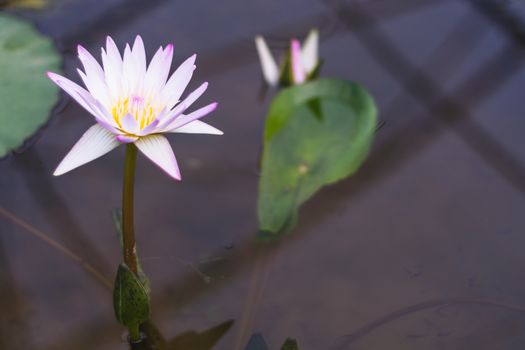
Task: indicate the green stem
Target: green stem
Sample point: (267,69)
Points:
(134,335)
(128,232)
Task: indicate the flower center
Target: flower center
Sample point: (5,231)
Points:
(144,111)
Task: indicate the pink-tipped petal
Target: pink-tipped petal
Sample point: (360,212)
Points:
(158,150)
(298,73)
(194,95)
(188,118)
(126,138)
(168,118)
(198,127)
(178,82)
(269,67)
(168,57)
(95,142)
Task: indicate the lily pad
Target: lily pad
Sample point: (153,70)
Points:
(30,4)
(316,134)
(26,95)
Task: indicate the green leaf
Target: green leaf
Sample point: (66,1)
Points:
(316,134)
(290,344)
(256,342)
(30,4)
(130,299)
(26,94)
(286,74)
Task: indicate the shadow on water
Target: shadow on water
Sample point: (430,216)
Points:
(38,179)
(205,340)
(13,317)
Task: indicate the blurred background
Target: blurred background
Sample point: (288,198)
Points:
(422,249)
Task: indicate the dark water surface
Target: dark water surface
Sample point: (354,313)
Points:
(423,249)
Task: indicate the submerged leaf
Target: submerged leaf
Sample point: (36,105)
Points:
(290,344)
(256,342)
(26,96)
(316,134)
(130,299)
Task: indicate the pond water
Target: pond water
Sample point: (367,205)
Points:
(422,249)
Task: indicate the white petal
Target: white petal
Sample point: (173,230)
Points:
(158,71)
(139,54)
(269,67)
(95,142)
(186,119)
(195,94)
(91,66)
(178,82)
(112,50)
(181,107)
(74,90)
(310,51)
(198,127)
(112,62)
(129,76)
(168,118)
(97,87)
(158,150)
(104,114)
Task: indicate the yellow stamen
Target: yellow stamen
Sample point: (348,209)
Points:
(143,110)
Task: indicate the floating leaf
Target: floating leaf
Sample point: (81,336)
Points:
(31,4)
(26,95)
(290,344)
(256,342)
(316,134)
(130,299)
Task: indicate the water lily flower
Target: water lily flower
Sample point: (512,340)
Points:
(303,62)
(134,102)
